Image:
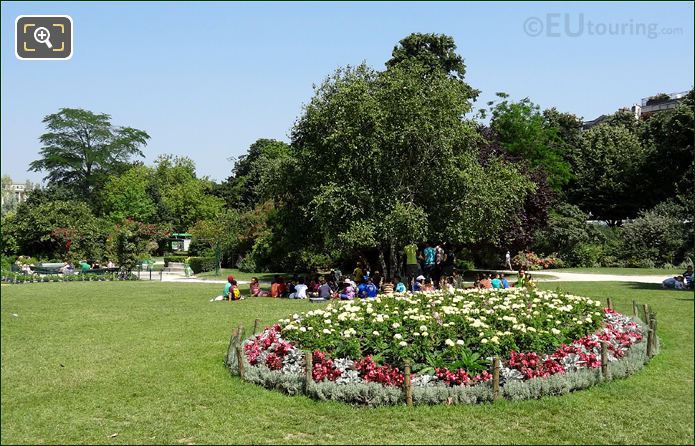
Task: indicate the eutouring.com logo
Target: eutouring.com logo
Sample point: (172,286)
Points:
(576,25)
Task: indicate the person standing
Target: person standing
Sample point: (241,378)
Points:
(430,256)
(411,266)
(508,261)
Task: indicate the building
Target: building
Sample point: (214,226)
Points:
(648,106)
(18,190)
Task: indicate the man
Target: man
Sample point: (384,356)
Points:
(371,289)
(357,273)
(505,282)
(411,266)
(430,256)
(439,258)
(508,261)
(362,288)
(688,276)
(521,281)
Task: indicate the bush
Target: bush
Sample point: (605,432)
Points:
(588,255)
(248,264)
(658,236)
(202,264)
(174,259)
(531,261)
(465,264)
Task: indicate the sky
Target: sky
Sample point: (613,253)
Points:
(206,80)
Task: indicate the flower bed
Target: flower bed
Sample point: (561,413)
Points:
(359,347)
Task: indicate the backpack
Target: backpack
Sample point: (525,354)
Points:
(236,293)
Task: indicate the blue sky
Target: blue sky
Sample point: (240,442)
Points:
(207,79)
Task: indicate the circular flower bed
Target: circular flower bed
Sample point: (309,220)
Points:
(360,347)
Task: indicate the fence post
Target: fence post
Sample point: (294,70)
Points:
(240,358)
(650,342)
(230,348)
(241,332)
(495,378)
(653,327)
(604,360)
(634,309)
(408,385)
(646,314)
(610,303)
(308,377)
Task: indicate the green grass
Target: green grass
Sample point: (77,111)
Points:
(238,275)
(84,361)
(666,272)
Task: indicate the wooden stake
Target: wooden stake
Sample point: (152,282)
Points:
(650,342)
(634,309)
(646,314)
(240,358)
(230,348)
(610,303)
(255,326)
(309,360)
(408,386)
(604,359)
(495,378)
(653,327)
(241,333)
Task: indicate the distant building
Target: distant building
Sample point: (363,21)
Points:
(15,192)
(648,106)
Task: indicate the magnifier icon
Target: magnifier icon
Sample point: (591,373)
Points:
(42,35)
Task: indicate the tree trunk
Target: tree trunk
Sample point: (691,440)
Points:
(382,261)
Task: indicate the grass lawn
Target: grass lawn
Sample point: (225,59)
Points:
(120,362)
(666,272)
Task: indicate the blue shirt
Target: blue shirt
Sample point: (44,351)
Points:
(371,290)
(505,283)
(429,255)
(362,290)
(227,287)
(416,286)
(400,287)
(496,283)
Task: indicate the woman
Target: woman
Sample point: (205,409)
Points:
(255,288)
(348,291)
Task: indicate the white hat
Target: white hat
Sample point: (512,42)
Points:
(420,277)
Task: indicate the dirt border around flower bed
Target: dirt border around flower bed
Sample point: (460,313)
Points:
(373,394)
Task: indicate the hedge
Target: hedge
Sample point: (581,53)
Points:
(174,259)
(202,264)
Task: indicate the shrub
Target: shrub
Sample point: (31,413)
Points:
(531,261)
(202,264)
(248,264)
(658,236)
(174,259)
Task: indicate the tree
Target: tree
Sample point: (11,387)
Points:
(81,148)
(181,198)
(128,195)
(436,51)
(9,200)
(253,174)
(132,240)
(524,132)
(607,173)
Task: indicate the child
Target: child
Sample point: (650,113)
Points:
(348,291)
(387,287)
(428,287)
(418,284)
(371,289)
(299,290)
(400,286)
(255,288)
(450,284)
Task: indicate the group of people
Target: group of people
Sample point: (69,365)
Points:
(682,282)
(367,286)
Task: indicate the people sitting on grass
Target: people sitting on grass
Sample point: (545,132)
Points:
(255,288)
(348,292)
(400,286)
(85,266)
(428,286)
(449,285)
(688,276)
(387,287)
(228,292)
(418,283)
(485,282)
(676,282)
(521,280)
(66,268)
(277,288)
(362,288)
(371,289)
(505,282)
(299,290)
(325,290)
(234,292)
(530,282)
(496,282)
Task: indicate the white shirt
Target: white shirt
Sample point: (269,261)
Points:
(300,291)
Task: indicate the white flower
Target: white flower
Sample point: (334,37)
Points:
(424,333)
(483,341)
(398,336)
(375,333)
(326,331)
(459,342)
(416,334)
(395,325)
(449,342)
(403,343)
(423,328)
(555,331)
(302,329)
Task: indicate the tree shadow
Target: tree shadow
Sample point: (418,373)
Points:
(687,295)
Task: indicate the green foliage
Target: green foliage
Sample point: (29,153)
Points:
(657,237)
(202,264)
(607,173)
(81,148)
(524,132)
(127,195)
(174,259)
(43,229)
(436,51)
(132,240)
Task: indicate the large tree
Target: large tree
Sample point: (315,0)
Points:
(607,173)
(81,148)
(435,51)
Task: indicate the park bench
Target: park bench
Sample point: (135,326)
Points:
(101,271)
(44,269)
